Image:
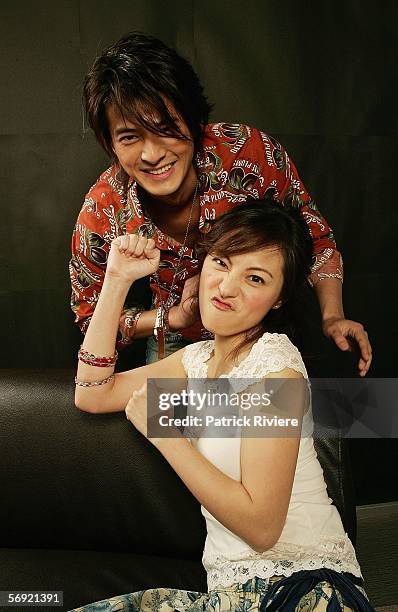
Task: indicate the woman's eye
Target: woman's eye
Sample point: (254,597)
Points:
(256,279)
(218,261)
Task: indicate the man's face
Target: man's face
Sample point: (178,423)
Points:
(161,165)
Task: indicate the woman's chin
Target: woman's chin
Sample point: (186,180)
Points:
(213,329)
(218,327)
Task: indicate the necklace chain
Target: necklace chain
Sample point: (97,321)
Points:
(155,275)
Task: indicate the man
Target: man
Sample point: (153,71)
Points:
(173,174)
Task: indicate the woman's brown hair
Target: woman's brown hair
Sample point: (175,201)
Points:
(259,224)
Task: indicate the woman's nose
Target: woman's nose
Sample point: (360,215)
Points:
(229,285)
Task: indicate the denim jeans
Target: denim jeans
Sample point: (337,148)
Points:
(173,343)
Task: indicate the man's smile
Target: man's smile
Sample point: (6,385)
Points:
(163,170)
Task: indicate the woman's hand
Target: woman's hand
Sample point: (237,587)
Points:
(137,413)
(136,409)
(132,257)
(186,312)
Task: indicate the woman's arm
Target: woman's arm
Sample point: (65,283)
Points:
(255,508)
(130,258)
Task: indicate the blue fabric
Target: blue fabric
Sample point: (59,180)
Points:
(253,596)
(173,343)
(287,593)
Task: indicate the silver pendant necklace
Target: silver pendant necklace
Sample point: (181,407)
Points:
(155,275)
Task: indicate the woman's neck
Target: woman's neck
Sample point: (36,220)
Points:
(222,362)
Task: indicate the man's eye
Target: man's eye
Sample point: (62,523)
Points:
(257,279)
(166,133)
(129,138)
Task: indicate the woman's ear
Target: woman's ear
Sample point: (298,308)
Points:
(277,305)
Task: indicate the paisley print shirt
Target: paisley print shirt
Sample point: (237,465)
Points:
(234,162)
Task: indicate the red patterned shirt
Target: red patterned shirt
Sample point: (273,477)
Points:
(235,162)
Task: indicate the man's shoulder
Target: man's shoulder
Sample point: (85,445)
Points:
(109,183)
(226,131)
(232,141)
(104,199)
(237,147)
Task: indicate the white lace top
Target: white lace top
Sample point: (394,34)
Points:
(313,536)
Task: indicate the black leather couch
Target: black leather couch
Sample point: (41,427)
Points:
(91,508)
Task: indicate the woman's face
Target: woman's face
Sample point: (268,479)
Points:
(236,293)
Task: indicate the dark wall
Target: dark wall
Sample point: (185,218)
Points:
(318,76)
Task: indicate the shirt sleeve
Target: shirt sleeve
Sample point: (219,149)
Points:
(94,231)
(285,185)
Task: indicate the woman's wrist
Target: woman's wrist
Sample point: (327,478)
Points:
(116,282)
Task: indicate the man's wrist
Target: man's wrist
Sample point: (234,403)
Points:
(331,317)
(174,323)
(329,294)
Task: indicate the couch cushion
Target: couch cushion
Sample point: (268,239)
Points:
(82,481)
(87,576)
(377,551)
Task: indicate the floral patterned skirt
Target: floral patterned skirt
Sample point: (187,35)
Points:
(245,597)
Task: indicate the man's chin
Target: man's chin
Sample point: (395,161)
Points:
(160,191)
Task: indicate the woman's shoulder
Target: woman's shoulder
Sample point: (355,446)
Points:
(273,339)
(273,353)
(196,354)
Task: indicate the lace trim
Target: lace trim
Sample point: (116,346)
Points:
(271,353)
(194,357)
(282,560)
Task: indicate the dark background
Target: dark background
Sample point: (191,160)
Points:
(320,77)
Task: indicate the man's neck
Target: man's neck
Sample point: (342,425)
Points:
(178,201)
(171,214)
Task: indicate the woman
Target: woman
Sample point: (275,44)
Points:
(274,542)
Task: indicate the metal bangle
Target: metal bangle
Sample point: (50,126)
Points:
(93,383)
(94,360)
(159,321)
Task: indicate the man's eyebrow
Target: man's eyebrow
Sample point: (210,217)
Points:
(124,130)
(159,125)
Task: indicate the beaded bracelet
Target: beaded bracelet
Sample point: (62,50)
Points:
(93,383)
(98,362)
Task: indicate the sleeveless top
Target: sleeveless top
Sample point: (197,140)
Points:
(313,536)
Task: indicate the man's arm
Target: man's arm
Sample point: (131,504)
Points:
(94,231)
(327,269)
(337,327)
(96,226)
(180,316)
